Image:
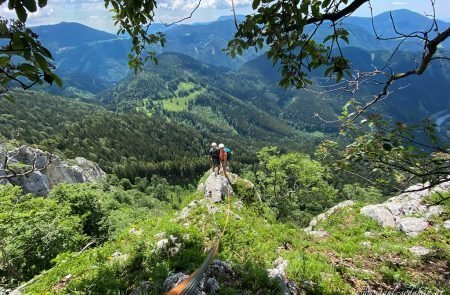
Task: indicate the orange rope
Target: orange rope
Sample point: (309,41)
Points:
(188,286)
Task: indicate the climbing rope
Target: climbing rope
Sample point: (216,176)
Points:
(189,285)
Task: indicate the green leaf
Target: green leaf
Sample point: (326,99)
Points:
(56,79)
(328,38)
(4,60)
(30,5)
(256,3)
(21,13)
(42,3)
(41,61)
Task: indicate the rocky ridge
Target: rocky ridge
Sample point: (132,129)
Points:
(408,211)
(40,181)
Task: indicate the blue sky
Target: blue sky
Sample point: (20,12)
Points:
(94,14)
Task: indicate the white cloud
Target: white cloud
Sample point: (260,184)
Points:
(205,4)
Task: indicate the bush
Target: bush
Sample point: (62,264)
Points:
(33,231)
(86,203)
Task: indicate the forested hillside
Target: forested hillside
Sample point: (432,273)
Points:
(141,142)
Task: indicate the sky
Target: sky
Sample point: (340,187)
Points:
(93,13)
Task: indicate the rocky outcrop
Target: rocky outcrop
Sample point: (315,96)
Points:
(311,229)
(279,273)
(217,187)
(408,211)
(40,182)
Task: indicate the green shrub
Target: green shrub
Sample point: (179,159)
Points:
(33,231)
(85,202)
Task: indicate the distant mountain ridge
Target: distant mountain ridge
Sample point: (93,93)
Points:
(81,50)
(69,34)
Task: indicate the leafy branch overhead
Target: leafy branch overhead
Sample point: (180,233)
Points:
(24,61)
(289,28)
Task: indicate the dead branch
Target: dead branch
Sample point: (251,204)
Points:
(184,18)
(6,164)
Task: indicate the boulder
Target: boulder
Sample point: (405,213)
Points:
(397,212)
(380,213)
(412,226)
(217,188)
(40,182)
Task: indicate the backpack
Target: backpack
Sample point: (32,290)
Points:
(229,154)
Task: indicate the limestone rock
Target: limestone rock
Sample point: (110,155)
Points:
(412,226)
(58,171)
(217,187)
(211,286)
(187,210)
(238,205)
(172,281)
(380,213)
(447,224)
(318,233)
(119,257)
(419,250)
(326,214)
(279,273)
(397,211)
(170,246)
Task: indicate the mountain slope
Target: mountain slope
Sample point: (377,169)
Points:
(80,50)
(411,100)
(68,34)
(187,90)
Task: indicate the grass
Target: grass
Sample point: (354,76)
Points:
(177,103)
(338,264)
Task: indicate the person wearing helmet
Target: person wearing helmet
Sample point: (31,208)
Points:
(223,159)
(213,158)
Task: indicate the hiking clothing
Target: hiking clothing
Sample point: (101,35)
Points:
(223,155)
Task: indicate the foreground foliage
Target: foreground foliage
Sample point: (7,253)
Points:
(103,239)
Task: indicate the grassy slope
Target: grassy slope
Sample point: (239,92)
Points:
(180,103)
(339,264)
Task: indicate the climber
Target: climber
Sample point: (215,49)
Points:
(213,158)
(223,159)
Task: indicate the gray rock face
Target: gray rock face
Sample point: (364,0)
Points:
(380,213)
(78,170)
(209,284)
(396,212)
(217,187)
(412,226)
(173,280)
(279,273)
